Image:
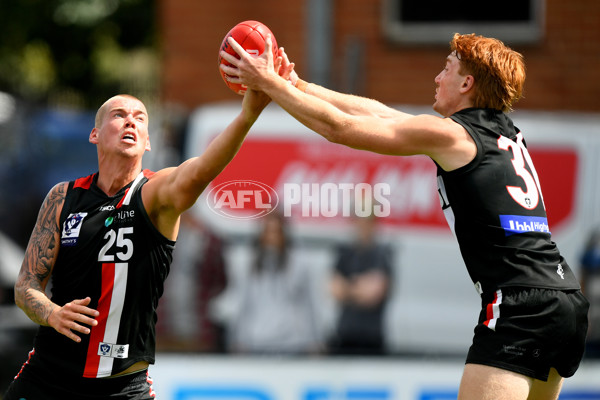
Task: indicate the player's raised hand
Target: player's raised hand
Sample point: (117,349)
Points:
(249,35)
(252,71)
(72,318)
(286,68)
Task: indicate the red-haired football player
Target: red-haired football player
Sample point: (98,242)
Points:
(532,326)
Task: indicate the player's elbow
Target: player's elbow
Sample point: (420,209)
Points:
(336,131)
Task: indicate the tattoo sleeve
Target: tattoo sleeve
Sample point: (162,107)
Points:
(40,257)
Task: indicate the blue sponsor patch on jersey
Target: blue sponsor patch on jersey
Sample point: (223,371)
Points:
(71,229)
(514,224)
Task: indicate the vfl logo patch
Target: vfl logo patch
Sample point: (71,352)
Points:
(514,224)
(113,350)
(71,229)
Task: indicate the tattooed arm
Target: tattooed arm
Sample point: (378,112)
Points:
(36,269)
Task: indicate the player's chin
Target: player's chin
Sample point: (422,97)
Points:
(439,108)
(132,151)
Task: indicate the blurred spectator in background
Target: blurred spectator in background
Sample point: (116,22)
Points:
(361,284)
(276,313)
(590,285)
(198,275)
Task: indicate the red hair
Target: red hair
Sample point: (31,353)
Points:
(499,72)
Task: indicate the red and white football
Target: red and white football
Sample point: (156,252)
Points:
(251,36)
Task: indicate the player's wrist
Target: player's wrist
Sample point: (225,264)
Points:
(301,85)
(50,317)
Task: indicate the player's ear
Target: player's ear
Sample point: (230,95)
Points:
(468,84)
(148,147)
(94,136)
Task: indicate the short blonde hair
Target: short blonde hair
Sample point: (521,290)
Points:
(499,72)
(102,110)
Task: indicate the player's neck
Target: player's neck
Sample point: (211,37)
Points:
(113,177)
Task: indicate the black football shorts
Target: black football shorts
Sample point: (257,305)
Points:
(29,386)
(530,330)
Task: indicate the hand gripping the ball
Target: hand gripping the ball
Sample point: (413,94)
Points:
(250,36)
(248,70)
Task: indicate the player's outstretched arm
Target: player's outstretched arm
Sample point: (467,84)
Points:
(37,266)
(367,132)
(171,191)
(383,130)
(348,103)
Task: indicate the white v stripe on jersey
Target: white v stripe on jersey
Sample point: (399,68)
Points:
(110,307)
(132,188)
(114,316)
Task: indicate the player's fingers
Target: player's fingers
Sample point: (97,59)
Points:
(74,326)
(229,70)
(230,58)
(290,69)
(230,76)
(84,319)
(269,48)
(288,73)
(278,64)
(236,47)
(83,302)
(78,309)
(233,79)
(284,56)
(89,311)
(70,328)
(68,333)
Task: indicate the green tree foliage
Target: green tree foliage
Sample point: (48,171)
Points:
(77,52)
